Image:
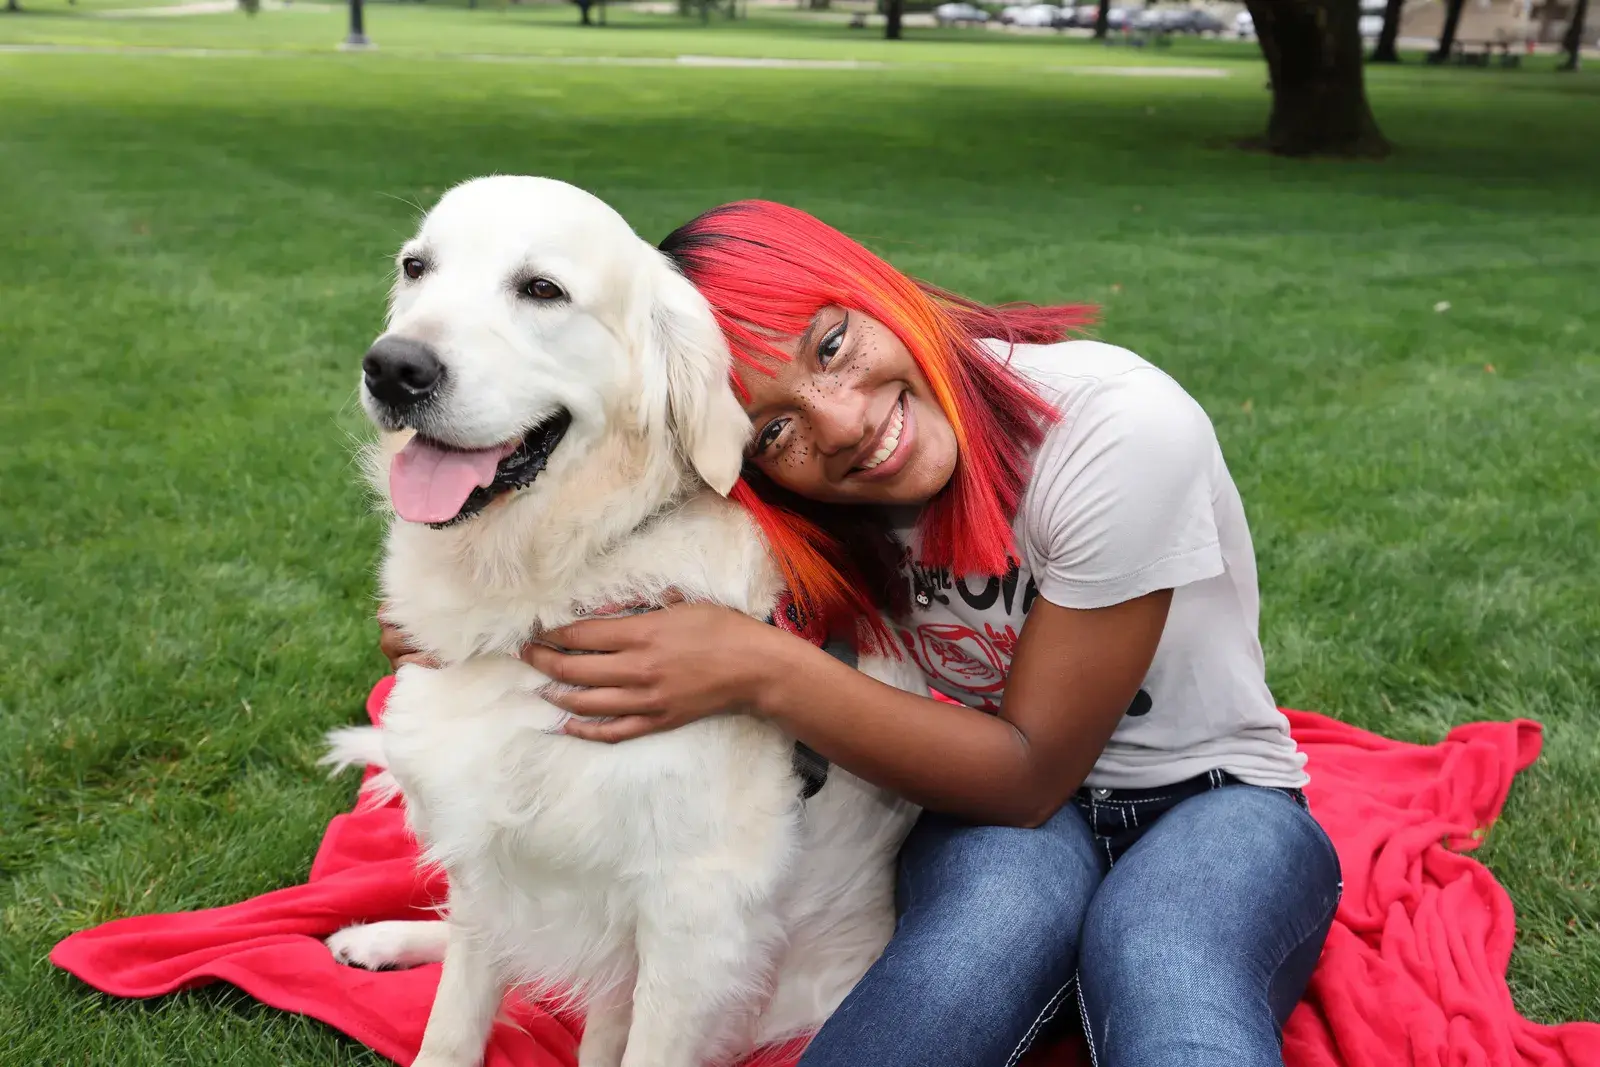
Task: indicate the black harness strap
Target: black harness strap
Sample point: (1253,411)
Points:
(812,767)
(809,764)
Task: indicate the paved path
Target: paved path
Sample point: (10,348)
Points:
(206,7)
(735,62)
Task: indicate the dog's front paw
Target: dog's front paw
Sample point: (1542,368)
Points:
(379,946)
(430,1059)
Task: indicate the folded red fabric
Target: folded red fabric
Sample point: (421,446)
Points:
(1413,972)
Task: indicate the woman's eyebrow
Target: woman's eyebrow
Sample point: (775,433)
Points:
(807,342)
(808,338)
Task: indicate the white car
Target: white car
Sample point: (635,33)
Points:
(1037,15)
(1244,24)
(1370,26)
(956,14)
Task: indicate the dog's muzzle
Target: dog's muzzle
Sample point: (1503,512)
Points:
(519,469)
(439,484)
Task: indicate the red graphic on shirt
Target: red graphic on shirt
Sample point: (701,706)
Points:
(1003,641)
(958,656)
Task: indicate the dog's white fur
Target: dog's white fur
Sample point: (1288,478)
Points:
(677,883)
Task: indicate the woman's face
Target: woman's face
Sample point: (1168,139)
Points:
(849,418)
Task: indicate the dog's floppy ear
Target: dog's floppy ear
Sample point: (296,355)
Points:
(689,354)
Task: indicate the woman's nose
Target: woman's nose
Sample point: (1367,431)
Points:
(838,422)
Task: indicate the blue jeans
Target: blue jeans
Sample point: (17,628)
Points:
(1184,921)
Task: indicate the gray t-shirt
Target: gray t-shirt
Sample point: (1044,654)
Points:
(1129,494)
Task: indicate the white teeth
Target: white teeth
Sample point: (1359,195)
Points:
(891,440)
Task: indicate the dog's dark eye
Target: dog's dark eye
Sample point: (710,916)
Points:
(413,267)
(541,289)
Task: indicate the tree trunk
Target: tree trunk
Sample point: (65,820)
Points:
(1385,52)
(1101,19)
(1319,100)
(1573,42)
(583,13)
(1447,36)
(12,5)
(892,10)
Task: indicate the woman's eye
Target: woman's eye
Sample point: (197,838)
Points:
(832,343)
(769,434)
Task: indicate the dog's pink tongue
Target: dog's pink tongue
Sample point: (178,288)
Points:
(429,484)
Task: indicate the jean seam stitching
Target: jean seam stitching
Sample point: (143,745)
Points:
(1325,921)
(1048,1013)
(1134,803)
(1083,1018)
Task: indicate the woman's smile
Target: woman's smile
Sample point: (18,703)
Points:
(893,444)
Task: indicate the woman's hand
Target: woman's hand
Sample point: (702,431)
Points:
(394,644)
(659,670)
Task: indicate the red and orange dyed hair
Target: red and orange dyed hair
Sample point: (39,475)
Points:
(766,270)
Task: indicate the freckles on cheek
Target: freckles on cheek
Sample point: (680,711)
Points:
(795,459)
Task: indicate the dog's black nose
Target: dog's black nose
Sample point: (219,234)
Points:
(401,372)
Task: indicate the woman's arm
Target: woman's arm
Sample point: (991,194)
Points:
(1072,678)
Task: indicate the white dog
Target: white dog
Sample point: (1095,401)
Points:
(573,434)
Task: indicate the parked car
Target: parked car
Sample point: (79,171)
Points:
(1149,19)
(1084,16)
(1370,25)
(1037,15)
(1008,15)
(1176,20)
(958,14)
(1119,18)
(1244,24)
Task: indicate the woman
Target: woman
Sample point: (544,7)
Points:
(1113,801)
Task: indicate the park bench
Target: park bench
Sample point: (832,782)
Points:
(1480,53)
(1139,38)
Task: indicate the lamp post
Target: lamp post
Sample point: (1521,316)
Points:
(357,37)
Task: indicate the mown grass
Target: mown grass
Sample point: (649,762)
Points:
(196,254)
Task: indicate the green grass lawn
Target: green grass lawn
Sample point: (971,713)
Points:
(196,252)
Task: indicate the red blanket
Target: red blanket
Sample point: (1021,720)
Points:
(1413,973)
